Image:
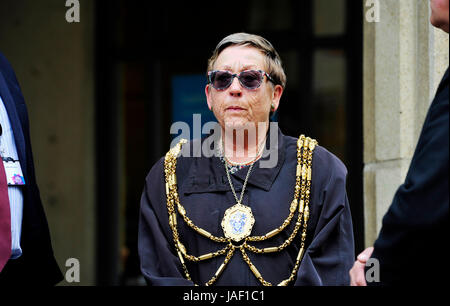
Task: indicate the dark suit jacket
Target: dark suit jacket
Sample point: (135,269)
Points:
(37,265)
(414,234)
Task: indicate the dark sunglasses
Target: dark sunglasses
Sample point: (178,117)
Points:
(250,79)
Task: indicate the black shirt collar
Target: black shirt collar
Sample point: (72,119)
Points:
(207,174)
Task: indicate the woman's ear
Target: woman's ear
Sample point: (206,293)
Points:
(276,96)
(208,96)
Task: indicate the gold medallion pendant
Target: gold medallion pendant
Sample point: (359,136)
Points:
(237,222)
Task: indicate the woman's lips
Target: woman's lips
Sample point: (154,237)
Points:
(234,109)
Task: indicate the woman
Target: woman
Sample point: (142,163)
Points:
(254,212)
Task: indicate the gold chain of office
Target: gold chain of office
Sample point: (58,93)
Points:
(300,203)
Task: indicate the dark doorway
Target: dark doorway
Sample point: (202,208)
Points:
(143,46)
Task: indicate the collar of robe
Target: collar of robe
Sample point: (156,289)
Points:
(207,174)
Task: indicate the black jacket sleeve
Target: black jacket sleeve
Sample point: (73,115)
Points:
(330,254)
(159,262)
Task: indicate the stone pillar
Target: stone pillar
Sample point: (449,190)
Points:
(404,60)
(54,63)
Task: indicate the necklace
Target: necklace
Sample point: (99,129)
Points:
(233,164)
(299,205)
(238,220)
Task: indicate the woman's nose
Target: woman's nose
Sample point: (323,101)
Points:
(235,88)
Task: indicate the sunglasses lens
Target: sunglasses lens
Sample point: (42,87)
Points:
(221,79)
(251,79)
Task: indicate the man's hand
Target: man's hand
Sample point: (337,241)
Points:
(357,275)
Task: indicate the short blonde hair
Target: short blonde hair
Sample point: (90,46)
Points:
(273,61)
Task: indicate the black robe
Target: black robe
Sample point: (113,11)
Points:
(205,193)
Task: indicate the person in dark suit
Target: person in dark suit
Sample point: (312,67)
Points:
(415,228)
(26,254)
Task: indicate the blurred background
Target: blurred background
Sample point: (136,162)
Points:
(103,92)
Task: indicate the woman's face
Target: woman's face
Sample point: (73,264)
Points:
(237,105)
(439,14)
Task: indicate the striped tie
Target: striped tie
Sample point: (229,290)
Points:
(5,219)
